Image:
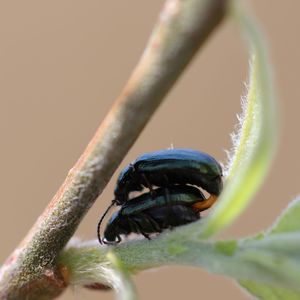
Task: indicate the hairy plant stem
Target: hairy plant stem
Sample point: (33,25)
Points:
(31,272)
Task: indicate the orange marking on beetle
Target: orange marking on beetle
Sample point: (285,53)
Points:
(206,204)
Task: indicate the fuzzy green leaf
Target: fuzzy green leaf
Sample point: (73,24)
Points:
(289,221)
(273,260)
(265,292)
(255,141)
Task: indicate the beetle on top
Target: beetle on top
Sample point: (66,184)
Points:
(167,167)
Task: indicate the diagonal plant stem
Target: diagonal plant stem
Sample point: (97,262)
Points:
(31,271)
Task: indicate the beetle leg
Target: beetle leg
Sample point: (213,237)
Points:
(168,203)
(136,227)
(118,239)
(152,222)
(141,231)
(206,204)
(166,180)
(145,234)
(133,225)
(167,194)
(148,185)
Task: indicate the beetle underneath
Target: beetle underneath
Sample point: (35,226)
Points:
(148,214)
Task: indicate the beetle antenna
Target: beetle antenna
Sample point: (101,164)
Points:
(101,219)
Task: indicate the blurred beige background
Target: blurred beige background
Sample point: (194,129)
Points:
(62,63)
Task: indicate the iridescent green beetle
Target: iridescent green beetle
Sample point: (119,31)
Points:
(153,212)
(168,167)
